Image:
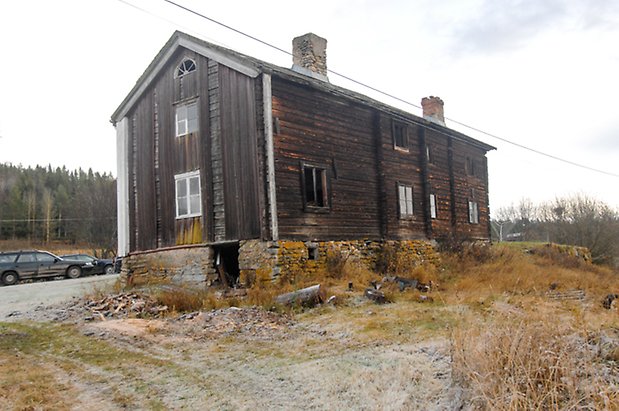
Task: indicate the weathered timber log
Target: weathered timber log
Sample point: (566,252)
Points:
(307,297)
(377,296)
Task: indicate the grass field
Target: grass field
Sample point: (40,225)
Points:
(498,336)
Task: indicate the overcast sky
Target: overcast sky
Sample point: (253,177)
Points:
(542,73)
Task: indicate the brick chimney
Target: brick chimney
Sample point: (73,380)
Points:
(309,56)
(433,109)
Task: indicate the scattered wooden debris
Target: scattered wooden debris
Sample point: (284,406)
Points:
(404,283)
(120,306)
(566,295)
(307,297)
(375,295)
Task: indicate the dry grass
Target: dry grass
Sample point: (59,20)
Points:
(487,271)
(533,364)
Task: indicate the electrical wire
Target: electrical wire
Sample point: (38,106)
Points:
(478,130)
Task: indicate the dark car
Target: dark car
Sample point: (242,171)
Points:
(34,264)
(99,265)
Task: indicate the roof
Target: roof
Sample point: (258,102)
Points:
(253,67)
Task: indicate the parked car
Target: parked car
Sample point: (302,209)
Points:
(99,265)
(33,264)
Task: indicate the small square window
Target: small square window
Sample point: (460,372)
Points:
(188,195)
(315,187)
(400,136)
(186,119)
(405,199)
(473,212)
(433,209)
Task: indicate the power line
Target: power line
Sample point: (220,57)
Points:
(478,130)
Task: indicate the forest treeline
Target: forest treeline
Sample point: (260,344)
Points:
(43,205)
(577,220)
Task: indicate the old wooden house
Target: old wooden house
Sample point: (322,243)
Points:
(228,161)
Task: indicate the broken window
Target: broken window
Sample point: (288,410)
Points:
(186,67)
(186,119)
(433,209)
(188,196)
(315,186)
(405,198)
(400,136)
(473,212)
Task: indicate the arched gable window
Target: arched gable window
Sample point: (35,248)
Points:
(186,67)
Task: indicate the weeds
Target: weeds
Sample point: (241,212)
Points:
(531,364)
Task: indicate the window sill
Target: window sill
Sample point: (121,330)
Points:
(182,217)
(401,149)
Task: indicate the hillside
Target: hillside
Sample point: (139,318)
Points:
(504,327)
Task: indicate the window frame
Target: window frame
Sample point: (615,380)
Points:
(186,179)
(396,125)
(433,206)
(473,211)
(470,166)
(430,154)
(325,185)
(404,203)
(186,120)
(177,72)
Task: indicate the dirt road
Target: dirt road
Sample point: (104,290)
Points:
(21,298)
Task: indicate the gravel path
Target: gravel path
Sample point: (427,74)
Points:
(18,299)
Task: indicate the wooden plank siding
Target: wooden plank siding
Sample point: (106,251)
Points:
(470,187)
(334,134)
(439,182)
(239,151)
(225,149)
(403,167)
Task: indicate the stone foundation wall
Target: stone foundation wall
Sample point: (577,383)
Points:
(267,261)
(185,265)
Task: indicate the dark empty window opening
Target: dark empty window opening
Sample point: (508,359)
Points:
(226,261)
(430,154)
(312,253)
(471,166)
(186,67)
(400,136)
(315,186)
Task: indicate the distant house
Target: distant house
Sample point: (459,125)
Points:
(226,161)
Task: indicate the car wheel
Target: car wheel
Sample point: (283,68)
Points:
(74,271)
(10,278)
(108,269)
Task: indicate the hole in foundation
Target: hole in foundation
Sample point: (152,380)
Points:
(227,264)
(312,253)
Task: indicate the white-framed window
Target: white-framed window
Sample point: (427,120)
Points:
(187,66)
(405,198)
(186,119)
(433,210)
(188,194)
(473,212)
